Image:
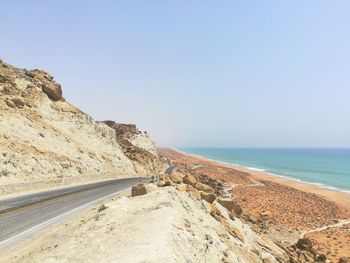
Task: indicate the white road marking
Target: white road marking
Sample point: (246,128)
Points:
(11,240)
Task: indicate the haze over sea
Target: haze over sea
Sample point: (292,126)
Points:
(329,168)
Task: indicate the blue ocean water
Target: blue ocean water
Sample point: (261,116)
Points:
(329,168)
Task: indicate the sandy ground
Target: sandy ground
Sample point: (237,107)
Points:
(291,206)
(341,198)
(333,241)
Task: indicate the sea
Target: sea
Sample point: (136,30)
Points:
(327,168)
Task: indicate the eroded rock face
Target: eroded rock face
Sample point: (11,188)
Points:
(137,146)
(43,137)
(14,81)
(49,86)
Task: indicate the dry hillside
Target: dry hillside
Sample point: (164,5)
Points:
(43,137)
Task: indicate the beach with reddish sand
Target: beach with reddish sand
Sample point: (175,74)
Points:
(281,208)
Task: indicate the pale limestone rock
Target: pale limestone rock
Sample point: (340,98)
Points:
(175,178)
(51,140)
(190,180)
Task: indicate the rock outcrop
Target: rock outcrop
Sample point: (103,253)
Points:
(48,85)
(209,197)
(44,137)
(136,145)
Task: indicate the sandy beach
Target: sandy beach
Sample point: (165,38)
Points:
(341,198)
(293,208)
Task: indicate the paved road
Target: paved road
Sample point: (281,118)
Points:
(20,217)
(171,168)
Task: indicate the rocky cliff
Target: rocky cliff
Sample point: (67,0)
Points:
(138,146)
(42,136)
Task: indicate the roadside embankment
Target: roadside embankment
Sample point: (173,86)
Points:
(163,225)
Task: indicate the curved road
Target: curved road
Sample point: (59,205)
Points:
(22,216)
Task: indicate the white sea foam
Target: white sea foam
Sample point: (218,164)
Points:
(254,169)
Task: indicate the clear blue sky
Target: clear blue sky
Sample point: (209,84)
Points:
(195,73)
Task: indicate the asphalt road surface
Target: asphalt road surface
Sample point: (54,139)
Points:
(22,216)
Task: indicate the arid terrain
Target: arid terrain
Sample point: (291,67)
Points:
(194,215)
(47,142)
(282,212)
(197,211)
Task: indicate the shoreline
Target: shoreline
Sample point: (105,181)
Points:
(283,209)
(341,197)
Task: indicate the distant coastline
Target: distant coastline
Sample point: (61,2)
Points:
(296,209)
(340,196)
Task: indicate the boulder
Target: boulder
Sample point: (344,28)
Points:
(265,216)
(4,78)
(308,257)
(54,92)
(190,180)
(215,212)
(314,252)
(10,103)
(161,183)
(267,258)
(29,73)
(101,208)
(16,102)
(181,187)
(175,178)
(321,258)
(199,186)
(19,103)
(162,177)
(228,203)
(48,85)
(209,197)
(168,182)
(238,210)
(304,244)
(194,193)
(139,189)
(344,260)
(203,187)
(249,218)
(232,215)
